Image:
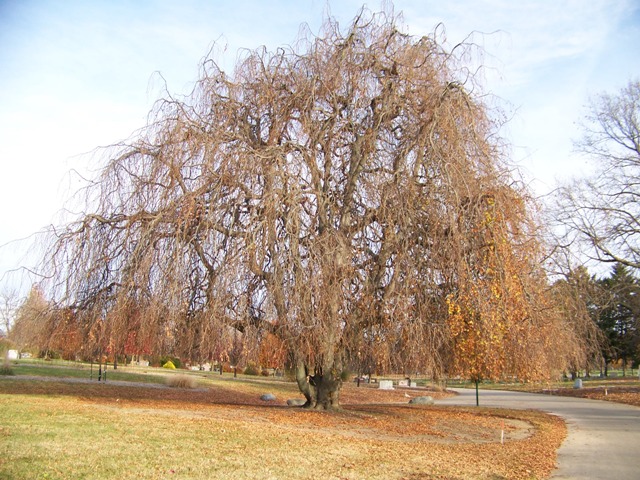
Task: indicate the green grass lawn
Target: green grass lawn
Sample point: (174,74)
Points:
(593,381)
(62,430)
(62,368)
(153,375)
(114,430)
(80,370)
(62,438)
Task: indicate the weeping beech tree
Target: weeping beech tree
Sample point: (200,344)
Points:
(347,196)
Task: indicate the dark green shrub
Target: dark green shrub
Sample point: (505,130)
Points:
(251,369)
(5,368)
(49,355)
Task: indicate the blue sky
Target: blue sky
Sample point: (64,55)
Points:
(78,74)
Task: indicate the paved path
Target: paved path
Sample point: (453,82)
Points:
(603,440)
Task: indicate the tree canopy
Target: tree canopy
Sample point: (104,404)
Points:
(347,196)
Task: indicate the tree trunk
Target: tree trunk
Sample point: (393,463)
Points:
(322,390)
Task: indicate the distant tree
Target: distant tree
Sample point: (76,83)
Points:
(602,211)
(236,350)
(9,302)
(347,197)
(28,330)
(620,317)
(580,299)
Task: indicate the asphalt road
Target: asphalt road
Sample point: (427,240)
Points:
(603,440)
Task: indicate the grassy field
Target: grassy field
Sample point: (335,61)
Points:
(64,369)
(71,428)
(615,378)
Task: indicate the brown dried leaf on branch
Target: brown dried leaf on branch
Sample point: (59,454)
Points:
(348,196)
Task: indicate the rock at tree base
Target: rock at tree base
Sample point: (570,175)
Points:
(296,402)
(425,400)
(268,397)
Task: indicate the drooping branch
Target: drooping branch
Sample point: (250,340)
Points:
(348,198)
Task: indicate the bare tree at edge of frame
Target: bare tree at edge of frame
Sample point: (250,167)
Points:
(600,214)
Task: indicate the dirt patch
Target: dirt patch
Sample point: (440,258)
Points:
(352,394)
